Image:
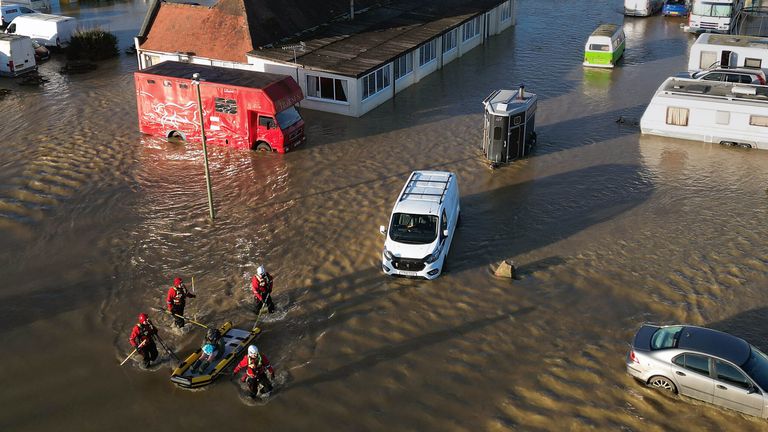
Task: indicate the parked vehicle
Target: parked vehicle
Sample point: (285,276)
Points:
(422,225)
(241,109)
(17,56)
(642,7)
(509,125)
(701,363)
(38,5)
(677,8)
(734,75)
(717,16)
(49,30)
(709,111)
(715,50)
(10,11)
(604,46)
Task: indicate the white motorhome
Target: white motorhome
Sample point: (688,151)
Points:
(714,112)
(48,30)
(716,50)
(17,55)
(422,225)
(38,5)
(642,7)
(717,16)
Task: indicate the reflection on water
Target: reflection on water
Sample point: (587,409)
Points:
(607,228)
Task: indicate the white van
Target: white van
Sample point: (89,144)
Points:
(422,225)
(37,5)
(17,55)
(49,30)
(10,11)
(642,7)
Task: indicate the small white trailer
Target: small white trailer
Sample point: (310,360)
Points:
(17,55)
(716,50)
(709,111)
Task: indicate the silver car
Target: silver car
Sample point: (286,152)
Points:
(703,364)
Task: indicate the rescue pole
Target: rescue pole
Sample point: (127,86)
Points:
(159,339)
(196,82)
(181,316)
(263,305)
(135,350)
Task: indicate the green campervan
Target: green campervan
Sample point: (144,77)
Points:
(604,47)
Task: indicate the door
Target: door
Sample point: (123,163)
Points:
(269,132)
(735,391)
(692,376)
(517,136)
(727,58)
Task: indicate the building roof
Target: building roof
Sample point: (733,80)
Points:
(715,343)
(213,74)
(375,36)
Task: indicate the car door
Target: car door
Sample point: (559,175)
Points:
(693,377)
(735,391)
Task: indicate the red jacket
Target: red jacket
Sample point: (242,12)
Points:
(141,333)
(261,287)
(177,296)
(254,367)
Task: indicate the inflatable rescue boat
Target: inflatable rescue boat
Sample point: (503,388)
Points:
(191,374)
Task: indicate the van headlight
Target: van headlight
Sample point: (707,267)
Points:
(434,256)
(388,255)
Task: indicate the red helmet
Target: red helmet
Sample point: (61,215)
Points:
(177,282)
(143,318)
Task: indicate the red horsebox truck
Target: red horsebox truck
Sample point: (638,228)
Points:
(242,109)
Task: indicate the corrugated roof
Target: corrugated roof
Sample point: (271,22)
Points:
(212,74)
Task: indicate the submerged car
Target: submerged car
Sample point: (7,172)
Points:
(41,52)
(675,8)
(733,75)
(701,363)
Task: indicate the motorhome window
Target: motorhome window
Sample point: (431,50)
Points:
(183,86)
(288,117)
(506,11)
(677,116)
(708,59)
(450,40)
(413,228)
(758,121)
(150,81)
(711,9)
(599,47)
(753,63)
(471,29)
(428,52)
(326,88)
(403,65)
(226,106)
(722,117)
(375,82)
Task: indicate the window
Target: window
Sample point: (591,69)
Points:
(150,81)
(722,117)
(183,86)
(288,117)
(403,65)
(599,47)
(666,337)
(167,84)
(738,78)
(497,133)
(226,106)
(413,228)
(267,122)
(471,28)
(716,76)
(758,121)
(677,116)
(428,52)
(753,63)
(11,11)
(712,10)
(443,224)
(731,375)
(506,11)
(11,28)
(327,88)
(450,40)
(708,59)
(375,81)
(693,362)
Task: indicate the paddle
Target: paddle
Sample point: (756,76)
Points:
(193,285)
(181,316)
(135,350)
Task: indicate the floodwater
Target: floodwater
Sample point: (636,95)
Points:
(608,230)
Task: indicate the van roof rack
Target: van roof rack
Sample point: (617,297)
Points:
(431,188)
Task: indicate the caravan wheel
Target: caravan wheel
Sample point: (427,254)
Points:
(745,145)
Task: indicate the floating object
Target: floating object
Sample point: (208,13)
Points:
(78,67)
(506,270)
(33,79)
(4,93)
(234,342)
(510,117)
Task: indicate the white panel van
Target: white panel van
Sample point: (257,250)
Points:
(10,11)
(38,5)
(17,55)
(49,30)
(422,225)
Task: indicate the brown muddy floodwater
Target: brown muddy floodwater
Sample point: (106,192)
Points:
(608,228)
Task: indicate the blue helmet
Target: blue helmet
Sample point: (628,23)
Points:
(208,349)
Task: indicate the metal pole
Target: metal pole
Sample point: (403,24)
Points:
(196,82)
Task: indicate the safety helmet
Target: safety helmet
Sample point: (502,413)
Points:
(260,271)
(143,318)
(208,349)
(253,351)
(177,282)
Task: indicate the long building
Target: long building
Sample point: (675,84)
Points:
(346,61)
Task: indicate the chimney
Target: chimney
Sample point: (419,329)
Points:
(351,10)
(521,92)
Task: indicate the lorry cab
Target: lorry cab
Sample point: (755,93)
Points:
(279,132)
(422,225)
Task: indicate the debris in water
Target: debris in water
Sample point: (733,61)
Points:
(4,92)
(506,270)
(33,79)
(77,66)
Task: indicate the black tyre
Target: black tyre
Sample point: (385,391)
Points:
(175,136)
(263,147)
(662,384)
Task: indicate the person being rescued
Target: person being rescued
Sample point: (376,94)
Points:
(211,350)
(142,339)
(177,299)
(261,285)
(257,365)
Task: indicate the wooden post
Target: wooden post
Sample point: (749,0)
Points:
(196,82)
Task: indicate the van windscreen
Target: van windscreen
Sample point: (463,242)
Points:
(287,117)
(599,47)
(413,228)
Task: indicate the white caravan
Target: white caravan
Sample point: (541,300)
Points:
(422,225)
(48,30)
(709,111)
(17,55)
(642,7)
(38,5)
(715,50)
(718,16)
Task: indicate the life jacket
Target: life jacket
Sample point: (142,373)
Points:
(145,333)
(181,295)
(264,284)
(254,366)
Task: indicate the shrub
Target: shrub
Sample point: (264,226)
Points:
(94,44)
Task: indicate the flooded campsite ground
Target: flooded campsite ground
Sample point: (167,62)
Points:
(608,229)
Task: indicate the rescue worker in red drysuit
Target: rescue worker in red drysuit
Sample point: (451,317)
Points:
(142,339)
(261,285)
(257,365)
(177,299)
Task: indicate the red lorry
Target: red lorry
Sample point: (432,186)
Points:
(241,109)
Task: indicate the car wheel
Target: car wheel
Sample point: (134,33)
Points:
(663,384)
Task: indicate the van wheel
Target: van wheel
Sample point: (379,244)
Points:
(663,384)
(263,147)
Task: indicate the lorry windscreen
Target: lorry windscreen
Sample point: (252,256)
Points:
(712,9)
(287,117)
(413,228)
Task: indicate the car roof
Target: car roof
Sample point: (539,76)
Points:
(716,343)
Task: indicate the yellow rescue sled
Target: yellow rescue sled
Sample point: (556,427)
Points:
(234,342)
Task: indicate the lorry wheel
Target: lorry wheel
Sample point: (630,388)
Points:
(175,136)
(263,147)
